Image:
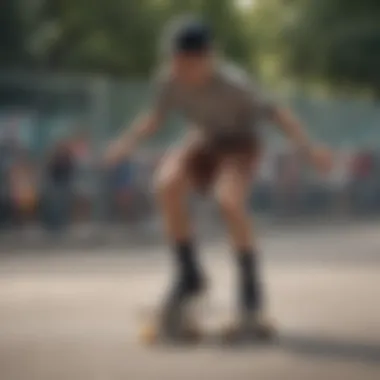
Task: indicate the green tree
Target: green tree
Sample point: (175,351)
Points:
(12,33)
(113,36)
(336,40)
(121,36)
(265,23)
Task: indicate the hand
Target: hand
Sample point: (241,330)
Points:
(322,159)
(117,151)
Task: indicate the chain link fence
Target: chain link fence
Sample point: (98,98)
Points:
(53,130)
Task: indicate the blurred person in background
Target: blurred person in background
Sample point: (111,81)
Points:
(59,190)
(122,188)
(224,107)
(83,161)
(263,183)
(23,186)
(339,181)
(377,180)
(362,186)
(288,187)
(6,157)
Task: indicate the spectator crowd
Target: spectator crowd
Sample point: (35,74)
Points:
(67,184)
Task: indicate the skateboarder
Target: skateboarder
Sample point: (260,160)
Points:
(222,148)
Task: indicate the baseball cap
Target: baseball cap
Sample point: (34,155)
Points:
(190,35)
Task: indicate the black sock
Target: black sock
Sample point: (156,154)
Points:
(189,272)
(186,283)
(250,285)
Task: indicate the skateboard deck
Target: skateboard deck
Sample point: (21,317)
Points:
(200,333)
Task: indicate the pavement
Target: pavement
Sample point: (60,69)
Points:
(74,314)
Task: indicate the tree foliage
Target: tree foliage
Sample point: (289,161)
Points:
(12,33)
(334,41)
(114,36)
(338,40)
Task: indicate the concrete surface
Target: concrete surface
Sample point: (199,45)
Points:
(73,315)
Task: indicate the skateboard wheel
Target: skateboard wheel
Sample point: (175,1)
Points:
(149,335)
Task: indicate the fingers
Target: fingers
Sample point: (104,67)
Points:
(323,160)
(115,153)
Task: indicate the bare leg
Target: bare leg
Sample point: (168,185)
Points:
(231,191)
(172,187)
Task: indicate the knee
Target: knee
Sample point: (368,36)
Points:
(167,185)
(231,207)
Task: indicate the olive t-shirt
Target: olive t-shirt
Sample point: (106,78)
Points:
(230,104)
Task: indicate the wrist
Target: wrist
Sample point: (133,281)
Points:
(132,141)
(305,149)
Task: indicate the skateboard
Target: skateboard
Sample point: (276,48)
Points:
(193,333)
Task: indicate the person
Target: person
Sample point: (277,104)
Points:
(23,188)
(217,155)
(60,176)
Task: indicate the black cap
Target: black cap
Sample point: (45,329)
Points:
(190,36)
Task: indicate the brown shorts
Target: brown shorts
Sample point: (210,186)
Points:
(204,157)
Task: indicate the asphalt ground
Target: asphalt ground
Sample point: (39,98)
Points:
(73,315)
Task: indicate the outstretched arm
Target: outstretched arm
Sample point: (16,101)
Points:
(142,128)
(145,125)
(292,128)
(320,157)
